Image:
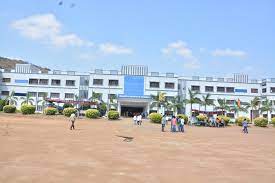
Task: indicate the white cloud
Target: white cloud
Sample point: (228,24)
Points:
(46,28)
(228,53)
(110,48)
(181,49)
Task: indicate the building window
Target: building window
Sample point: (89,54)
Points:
(264,90)
(220,89)
(98,82)
(42,94)
(33,81)
(32,94)
(56,82)
(6,80)
(209,89)
(55,95)
(154,84)
(5,93)
(113,82)
(170,85)
(43,81)
(69,95)
(111,96)
(229,89)
(70,82)
(272,90)
(254,90)
(195,88)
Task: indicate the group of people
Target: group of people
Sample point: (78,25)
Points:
(216,123)
(137,119)
(177,124)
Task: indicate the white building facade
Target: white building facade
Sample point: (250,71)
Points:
(132,87)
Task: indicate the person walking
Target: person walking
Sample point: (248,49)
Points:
(245,124)
(139,119)
(182,125)
(163,123)
(135,119)
(72,120)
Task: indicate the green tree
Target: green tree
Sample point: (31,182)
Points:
(158,100)
(43,101)
(206,101)
(254,105)
(222,105)
(96,97)
(267,107)
(174,104)
(193,99)
(11,99)
(236,109)
(27,99)
(112,102)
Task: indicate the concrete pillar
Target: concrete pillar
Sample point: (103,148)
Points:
(119,108)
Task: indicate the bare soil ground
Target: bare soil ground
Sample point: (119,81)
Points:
(43,149)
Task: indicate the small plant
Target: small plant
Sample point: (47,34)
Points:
(27,109)
(183,116)
(2,104)
(9,109)
(155,117)
(261,122)
(273,121)
(67,105)
(113,115)
(68,111)
(50,111)
(225,119)
(92,113)
(201,117)
(239,120)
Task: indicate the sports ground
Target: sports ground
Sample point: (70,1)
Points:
(42,149)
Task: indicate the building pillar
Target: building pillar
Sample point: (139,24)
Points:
(119,108)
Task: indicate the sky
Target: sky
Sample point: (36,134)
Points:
(205,38)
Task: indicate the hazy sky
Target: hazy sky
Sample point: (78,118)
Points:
(211,37)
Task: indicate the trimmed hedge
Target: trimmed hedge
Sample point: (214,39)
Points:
(261,122)
(68,111)
(239,120)
(67,105)
(155,117)
(27,109)
(201,117)
(92,113)
(50,111)
(113,115)
(184,117)
(273,121)
(225,119)
(2,104)
(9,109)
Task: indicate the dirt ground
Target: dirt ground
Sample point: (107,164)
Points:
(43,149)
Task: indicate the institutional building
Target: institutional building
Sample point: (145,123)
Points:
(133,86)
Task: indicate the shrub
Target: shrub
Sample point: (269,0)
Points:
(68,111)
(102,109)
(239,120)
(67,105)
(273,121)
(261,122)
(92,113)
(113,115)
(184,117)
(155,117)
(9,109)
(27,109)
(225,119)
(201,117)
(2,104)
(50,111)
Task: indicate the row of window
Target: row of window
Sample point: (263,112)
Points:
(99,82)
(33,81)
(168,85)
(221,89)
(272,90)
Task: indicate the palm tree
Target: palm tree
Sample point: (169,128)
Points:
(43,101)
(76,98)
(236,109)
(112,103)
(175,104)
(206,101)
(96,97)
(254,105)
(158,100)
(11,99)
(192,99)
(222,105)
(267,107)
(27,99)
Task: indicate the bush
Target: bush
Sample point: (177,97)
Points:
(201,117)
(239,120)
(261,122)
(113,115)
(50,111)
(92,113)
(27,109)
(155,117)
(2,104)
(273,121)
(67,105)
(183,116)
(68,111)
(9,109)
(225,119)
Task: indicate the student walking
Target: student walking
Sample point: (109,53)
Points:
(163,123)
(135,119)
(245,126)
(72,120)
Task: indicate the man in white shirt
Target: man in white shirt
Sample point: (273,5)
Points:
(139,119)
